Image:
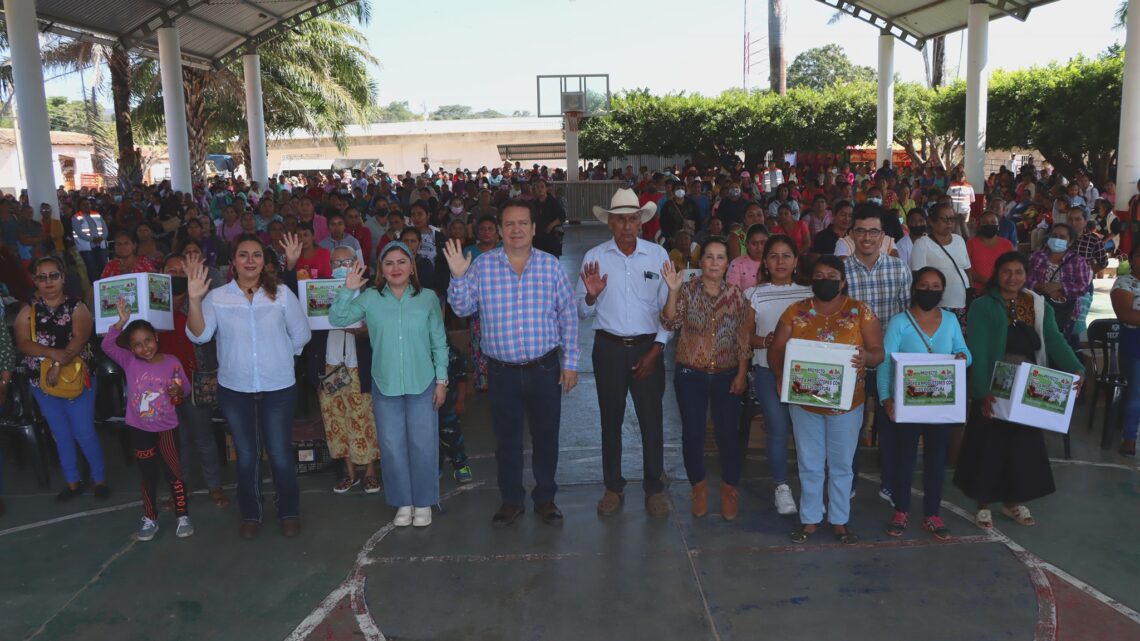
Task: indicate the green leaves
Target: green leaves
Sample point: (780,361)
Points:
(822,67)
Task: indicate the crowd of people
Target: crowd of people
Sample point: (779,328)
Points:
(452,286)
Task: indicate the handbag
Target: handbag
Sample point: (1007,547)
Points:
(971,293)
(72,378)
(204,381)
(339,378)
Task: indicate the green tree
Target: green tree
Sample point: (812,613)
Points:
(396,112)
(924,125)
(451,112)
(822,67)
(67,115)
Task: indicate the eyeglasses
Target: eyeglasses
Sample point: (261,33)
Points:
(52,276)
(873,233)
(343,262)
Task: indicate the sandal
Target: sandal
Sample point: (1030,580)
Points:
(371,485)
(802,534)
(219,497)
(1019,513)
(345,484)
(984,519)
(846,537)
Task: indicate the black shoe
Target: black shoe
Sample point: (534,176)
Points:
(102,492)
(66,494)
(549,512)
(507,515)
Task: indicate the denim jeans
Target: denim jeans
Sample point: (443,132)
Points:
(825,445)
(887,433)
(407,429)
(263,418)
(1132,396)
(73,421)
(697,392)
(935,441)
(777,421)
(533,395)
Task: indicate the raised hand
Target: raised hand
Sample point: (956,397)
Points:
(124,313)
(594,280)
(671,276)
(457,262)
(292,245)
(197,283)
(355,279)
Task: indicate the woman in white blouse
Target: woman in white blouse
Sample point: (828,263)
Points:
(260,327)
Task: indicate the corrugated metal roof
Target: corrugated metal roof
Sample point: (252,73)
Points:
(915,21)
(209,30)
(442,127)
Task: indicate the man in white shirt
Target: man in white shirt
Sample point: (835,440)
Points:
(89,231)
(946,251)
(622,289)
(962,196)
(338,236)
(773,178)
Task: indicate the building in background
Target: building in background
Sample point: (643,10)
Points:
(73,161)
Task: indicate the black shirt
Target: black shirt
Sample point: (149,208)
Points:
(548,211)
(825,241)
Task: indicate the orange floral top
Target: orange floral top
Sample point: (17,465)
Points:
(713,329)
(844,326)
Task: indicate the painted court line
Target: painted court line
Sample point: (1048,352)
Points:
(693,569)
(1111,466)
(862,545)
(103,568)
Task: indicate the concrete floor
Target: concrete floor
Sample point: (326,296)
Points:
(75,572)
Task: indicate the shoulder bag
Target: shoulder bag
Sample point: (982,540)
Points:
(971,293)
(72,378)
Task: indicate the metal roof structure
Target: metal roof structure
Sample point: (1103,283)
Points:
(209,30)
(916,21)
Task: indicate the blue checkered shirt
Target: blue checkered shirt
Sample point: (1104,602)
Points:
(885,287)
(520,318)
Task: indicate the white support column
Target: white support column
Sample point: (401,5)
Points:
(885,116)
(1128,149)
(571,123)
(31,103)
(255,120)
(977,88)
(174,108)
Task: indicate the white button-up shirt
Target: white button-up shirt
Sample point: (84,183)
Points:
(256,341)
(635,293)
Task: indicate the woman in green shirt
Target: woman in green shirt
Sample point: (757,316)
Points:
(409,376)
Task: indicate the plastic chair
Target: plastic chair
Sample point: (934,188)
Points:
(111,402)
(1104,341)
(24,420)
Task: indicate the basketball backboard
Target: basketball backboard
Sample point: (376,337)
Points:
(586,93)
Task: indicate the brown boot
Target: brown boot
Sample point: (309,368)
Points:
(701,499)
(610,502)
(728,506)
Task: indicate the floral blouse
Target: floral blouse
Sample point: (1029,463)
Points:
(114,267)
(844,326)
(53,329)
(713,329)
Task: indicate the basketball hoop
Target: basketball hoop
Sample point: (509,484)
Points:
(573,119)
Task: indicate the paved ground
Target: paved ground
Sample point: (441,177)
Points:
(74,572)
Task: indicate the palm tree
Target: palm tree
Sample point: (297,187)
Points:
(778,64)
(314,77)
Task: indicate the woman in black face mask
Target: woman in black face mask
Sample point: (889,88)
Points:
(923,329)
(984,250)
(826,439)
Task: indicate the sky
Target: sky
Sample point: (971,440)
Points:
(487,55)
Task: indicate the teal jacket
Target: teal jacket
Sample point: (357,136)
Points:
(986,328)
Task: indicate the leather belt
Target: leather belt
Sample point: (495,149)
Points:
(627,341)
(526,364)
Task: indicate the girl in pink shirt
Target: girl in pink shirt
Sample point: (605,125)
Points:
(744,270)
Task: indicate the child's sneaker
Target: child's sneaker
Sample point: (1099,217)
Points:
(463,474)
(185,527)
(937,527)
(148,530)
(898,524)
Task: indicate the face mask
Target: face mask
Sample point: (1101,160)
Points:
(875,201)
(988,231)
(1058,245)
(734,192)
(825,289)
(917,231)
(340,272)
(927,299)
(515,193)
(178,285)
(457,210)
(680,193)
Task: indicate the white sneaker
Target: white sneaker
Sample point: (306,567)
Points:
(185,527)
(403,516)
(148,530)
(785,504)
(422,517)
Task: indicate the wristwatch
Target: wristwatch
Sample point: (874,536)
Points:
(441,381)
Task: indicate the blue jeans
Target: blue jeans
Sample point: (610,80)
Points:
(94,260)
(263,418)
(888,437)
(533,395)
(1132,397)
(825,446)
(777,422)
(935,441)
(696,392)
(73,421)
(408,433)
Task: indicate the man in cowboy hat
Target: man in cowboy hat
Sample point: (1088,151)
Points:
(628,343)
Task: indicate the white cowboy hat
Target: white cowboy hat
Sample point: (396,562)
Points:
(625,202)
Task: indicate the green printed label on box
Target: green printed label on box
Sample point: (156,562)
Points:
(818,384)
(1047,390)
(111,291)
(929,385)
(1002,386)
(160,294)
(320,296)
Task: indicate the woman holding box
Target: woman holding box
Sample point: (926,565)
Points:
(1000,460)
(924,329)
(826,439)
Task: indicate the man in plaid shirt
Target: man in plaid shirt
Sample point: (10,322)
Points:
(1090,246)
(883,282)
(530,337)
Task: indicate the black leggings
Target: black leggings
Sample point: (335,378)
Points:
(151,450)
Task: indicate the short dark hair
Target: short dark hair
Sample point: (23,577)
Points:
(334,213)
(306,225)
(939,209)
(518,202)
(124,339)
(411,230)
(48,259)
(922,272)
(867,211)
(486,218)
(832,261)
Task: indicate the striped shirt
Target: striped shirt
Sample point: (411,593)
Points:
(521,317)
(885,286)
(769,302)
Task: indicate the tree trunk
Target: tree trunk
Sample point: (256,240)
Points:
(197,128)
(937,61)
(130,165)
(778,66)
